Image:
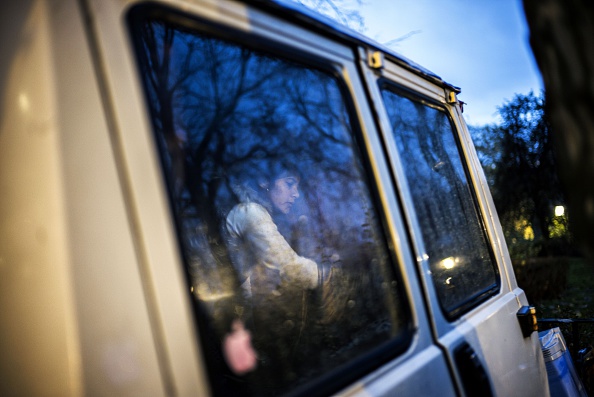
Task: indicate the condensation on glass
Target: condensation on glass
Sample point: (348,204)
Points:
(461,263)
(280,236)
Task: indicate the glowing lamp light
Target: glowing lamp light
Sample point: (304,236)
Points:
(448,263)
(559,210)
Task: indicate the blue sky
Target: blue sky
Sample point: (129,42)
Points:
(480,46)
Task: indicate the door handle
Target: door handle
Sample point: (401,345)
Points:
(475,379)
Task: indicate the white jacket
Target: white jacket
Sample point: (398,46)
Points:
(256,241)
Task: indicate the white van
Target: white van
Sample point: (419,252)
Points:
(232,198)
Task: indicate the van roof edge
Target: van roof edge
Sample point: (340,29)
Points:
(291,10)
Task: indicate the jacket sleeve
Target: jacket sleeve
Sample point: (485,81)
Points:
(253,223)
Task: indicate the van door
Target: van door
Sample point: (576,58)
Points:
(212,103)
(468,278)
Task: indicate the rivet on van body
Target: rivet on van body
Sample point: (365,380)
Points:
(375,59)
(452,97)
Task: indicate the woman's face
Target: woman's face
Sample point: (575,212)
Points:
(284,192)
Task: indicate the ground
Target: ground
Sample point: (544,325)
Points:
(576,300)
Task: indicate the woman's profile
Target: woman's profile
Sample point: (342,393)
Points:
(257,244)
(275,280)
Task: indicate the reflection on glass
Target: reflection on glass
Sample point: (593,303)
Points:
(455,240)
(283,249)
(449,263)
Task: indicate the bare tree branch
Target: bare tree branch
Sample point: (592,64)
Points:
(395,42)
(342,11)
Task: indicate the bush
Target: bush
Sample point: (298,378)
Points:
(542,278)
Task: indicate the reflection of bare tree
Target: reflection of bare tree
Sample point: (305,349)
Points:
(219,106)
(448,217)
(422,135)
(223,114)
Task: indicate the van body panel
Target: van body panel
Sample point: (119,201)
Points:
(488,326)
(93,286)
(162,260)
(39,331)
(74,303)
(422,376)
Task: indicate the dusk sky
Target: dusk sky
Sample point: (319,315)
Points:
(480,46)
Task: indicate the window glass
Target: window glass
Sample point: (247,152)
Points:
(461,264)
(285,255)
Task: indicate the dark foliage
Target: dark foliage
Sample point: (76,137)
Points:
(519,161)
(542,278)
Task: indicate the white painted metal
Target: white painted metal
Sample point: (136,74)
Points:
(92,298)
(73,306)
(491,329)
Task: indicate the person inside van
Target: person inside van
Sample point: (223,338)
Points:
(262,255)
(276,282)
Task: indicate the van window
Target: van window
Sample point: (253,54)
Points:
(286,259)
(454,237)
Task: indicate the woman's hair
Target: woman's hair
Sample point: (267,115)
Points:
(276,169)
(256,176)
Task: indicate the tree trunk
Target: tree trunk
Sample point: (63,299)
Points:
(562,39)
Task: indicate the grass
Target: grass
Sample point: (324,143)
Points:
(560,288)
(573,302)
(576,300)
